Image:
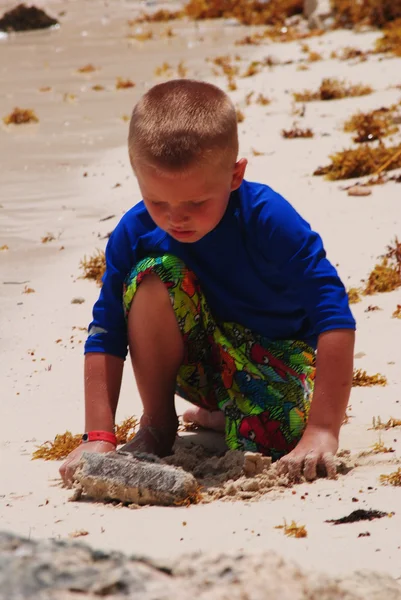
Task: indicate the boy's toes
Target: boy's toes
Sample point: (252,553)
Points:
(204,418)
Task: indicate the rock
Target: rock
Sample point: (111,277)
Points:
(49,570)
(359,190)
(25,18)
(134,480)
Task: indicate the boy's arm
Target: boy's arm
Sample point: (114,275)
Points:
(334,371)
(103,375)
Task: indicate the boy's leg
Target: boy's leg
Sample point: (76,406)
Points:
(156,349)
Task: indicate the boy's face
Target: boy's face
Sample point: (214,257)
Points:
(188,205)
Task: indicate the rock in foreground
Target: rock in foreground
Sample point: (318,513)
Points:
(49,570)
(25,18)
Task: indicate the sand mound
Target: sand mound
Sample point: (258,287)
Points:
(235,475)
(49,570)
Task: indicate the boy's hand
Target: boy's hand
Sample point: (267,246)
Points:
(317,446)
(70,464)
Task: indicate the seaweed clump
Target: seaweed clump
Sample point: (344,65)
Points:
(64,443)
(20,116)
(354,296)
(362,379)
(123,84)
(397,313)
(364,160)
(371,126)
(390,42)
(94,266)
(377,13)
(297,132)
(26,18)
(293,530)
(392,479)
(247,12)
(333,89)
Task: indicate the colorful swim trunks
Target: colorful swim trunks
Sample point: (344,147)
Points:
(263,386)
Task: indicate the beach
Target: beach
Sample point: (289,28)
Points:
(67,178)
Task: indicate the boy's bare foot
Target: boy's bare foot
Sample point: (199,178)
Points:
(153,438)
(204,418)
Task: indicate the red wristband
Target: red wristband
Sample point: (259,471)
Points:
(99,436)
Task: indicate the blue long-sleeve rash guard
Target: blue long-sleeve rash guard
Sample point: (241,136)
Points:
(262,267)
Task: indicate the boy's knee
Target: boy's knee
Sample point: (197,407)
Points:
(153,289)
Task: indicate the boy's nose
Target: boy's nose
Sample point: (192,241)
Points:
(177,218)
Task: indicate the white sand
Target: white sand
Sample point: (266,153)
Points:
(43,190)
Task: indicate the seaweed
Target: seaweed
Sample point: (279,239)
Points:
(182,70)
(64,443)
(142,36)
(362,379)
(97,88)
(159,16)
(26,18)
(231,83)
(125,431)
(333,89)
(392,479)
(89,68)
(123,84)
(94,266)
(350,53)
(297,132)
(314,57)
(377,423)
(50,237)
(4,247)
(385,277)
(28,290)
(252,69)
(20,116)
(293,530)
(377,448)
(373,125)
(247,12)
(354,296)
(359,515)
(225,64)
(377,13)
(397,313)
(262,100)
(364,160)
(240,116)
(256,152)
(394,254)
(164,70)
(390,42)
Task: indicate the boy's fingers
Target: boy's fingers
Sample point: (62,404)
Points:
(311,461)
(294,467)
(330,464)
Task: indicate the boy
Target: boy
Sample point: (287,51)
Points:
(222,293)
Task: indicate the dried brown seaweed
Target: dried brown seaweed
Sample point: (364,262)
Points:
(377,448)
(385,277)
(293,530)
(20,116)
(314,57)
(333,89)
(252,69)
(159,16)
(49,237)
(262,100)
(394,253)
(373,125)
(123,84)
(362,379)
(240,116)
(350,53)
(89,68)
(297,132)
(397,313)
(142,36)
(164,70)
(354,295)
(94,266)
(378,13)
(392,479)
(247,12)
(390,42)
(364,160)
(64,443)
(378,425)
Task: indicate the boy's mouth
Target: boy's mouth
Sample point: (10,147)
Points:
(182,233)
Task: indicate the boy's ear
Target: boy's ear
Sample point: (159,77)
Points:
(238,173)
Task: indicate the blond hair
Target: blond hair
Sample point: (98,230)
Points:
(179,123)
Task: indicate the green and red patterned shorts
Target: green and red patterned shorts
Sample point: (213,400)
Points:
(263,387)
